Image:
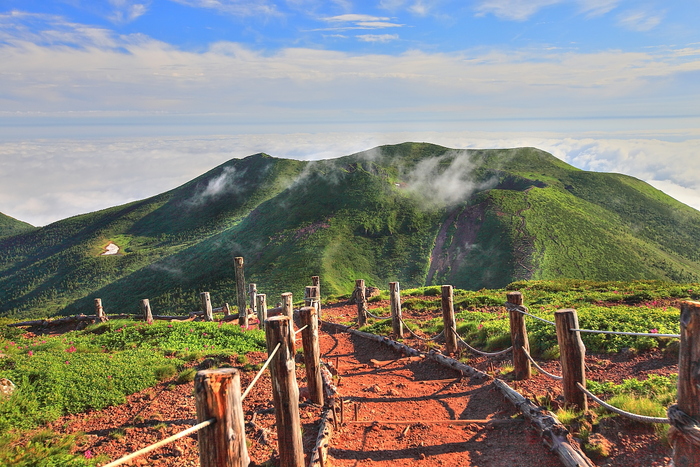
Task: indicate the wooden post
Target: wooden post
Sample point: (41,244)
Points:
(316,282)
(206,306)
(100,311)
(572,354)
(518,337)
(312,353)
(288,311)
(448,318)
(226,309)
(240,292)
(252,292)
(261,298)
(312,298)
(395,300)
(218,395)
(146,309)
(285,392)
(361,300)
(685,453)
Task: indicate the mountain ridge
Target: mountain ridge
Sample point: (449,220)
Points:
(417,213)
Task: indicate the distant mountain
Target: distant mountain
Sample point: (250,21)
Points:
(414,212)
(11,226)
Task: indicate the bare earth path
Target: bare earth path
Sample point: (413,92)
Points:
(386,388)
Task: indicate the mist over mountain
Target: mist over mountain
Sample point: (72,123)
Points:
(416,213)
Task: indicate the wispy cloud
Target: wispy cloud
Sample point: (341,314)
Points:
(515,10)
(592,8)
(242,8)
(640,20)
(126,11)
(377,37)
(357,21)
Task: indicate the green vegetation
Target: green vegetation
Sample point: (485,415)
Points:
(10,226)
(417,213)
(93,369)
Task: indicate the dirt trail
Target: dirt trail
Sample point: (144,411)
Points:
(386,387)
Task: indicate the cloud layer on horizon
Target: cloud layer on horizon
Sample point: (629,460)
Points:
(44,181)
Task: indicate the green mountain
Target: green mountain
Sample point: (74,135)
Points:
(417,213)
(10,226)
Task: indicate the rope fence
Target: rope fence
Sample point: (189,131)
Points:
(539,368)
(479,352)
(612,408)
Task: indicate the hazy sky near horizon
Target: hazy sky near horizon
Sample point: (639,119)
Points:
(108,101)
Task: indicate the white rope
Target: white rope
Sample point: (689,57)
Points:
(522,309)
(301,329)
(554,377)
(638,418)
(155,446)
(375,316)
(476,351)
(620,333)
(434,338)
(255,380)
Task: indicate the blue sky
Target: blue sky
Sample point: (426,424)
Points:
(107,101)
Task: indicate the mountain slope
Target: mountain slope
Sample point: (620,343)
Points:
(415,212)
(10,226)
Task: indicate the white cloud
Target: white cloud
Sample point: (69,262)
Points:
(242,8)
(515,10)
(43,181)
(597,7)
(351,18)
(640,20)
(378,37)
(126,11)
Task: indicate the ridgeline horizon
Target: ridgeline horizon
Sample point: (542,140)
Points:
(416,213)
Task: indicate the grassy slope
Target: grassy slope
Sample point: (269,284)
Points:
(530,214)
(10,226)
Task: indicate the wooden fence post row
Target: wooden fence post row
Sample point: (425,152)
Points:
(519,339)
(686,446)
(285,392)
(395,301)
(240,292)
(448,319)
(312,352)
(206,306)
(218,395)
(361,299)
(572,354)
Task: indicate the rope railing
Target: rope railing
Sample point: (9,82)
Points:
(260,372)
(301,329)
(192,429)
(612,408)
(522,309)
(621,333)
(480,352)
(153,447)
(375,316)
(434,338)
(539,368)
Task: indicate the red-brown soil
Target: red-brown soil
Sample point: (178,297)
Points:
(411,400)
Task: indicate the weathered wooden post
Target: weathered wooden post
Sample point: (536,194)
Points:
(316,282)
(572,357)
(100,311)
(285,392)
(448,319)
(240,292)
(261,298)
(312,353)
(226,309)
(686,448)
(288,311)
(395,301)
(146,309)
(252,292)
(218,395)
(361,300)
(518,337)
(206,306)
(312,298)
